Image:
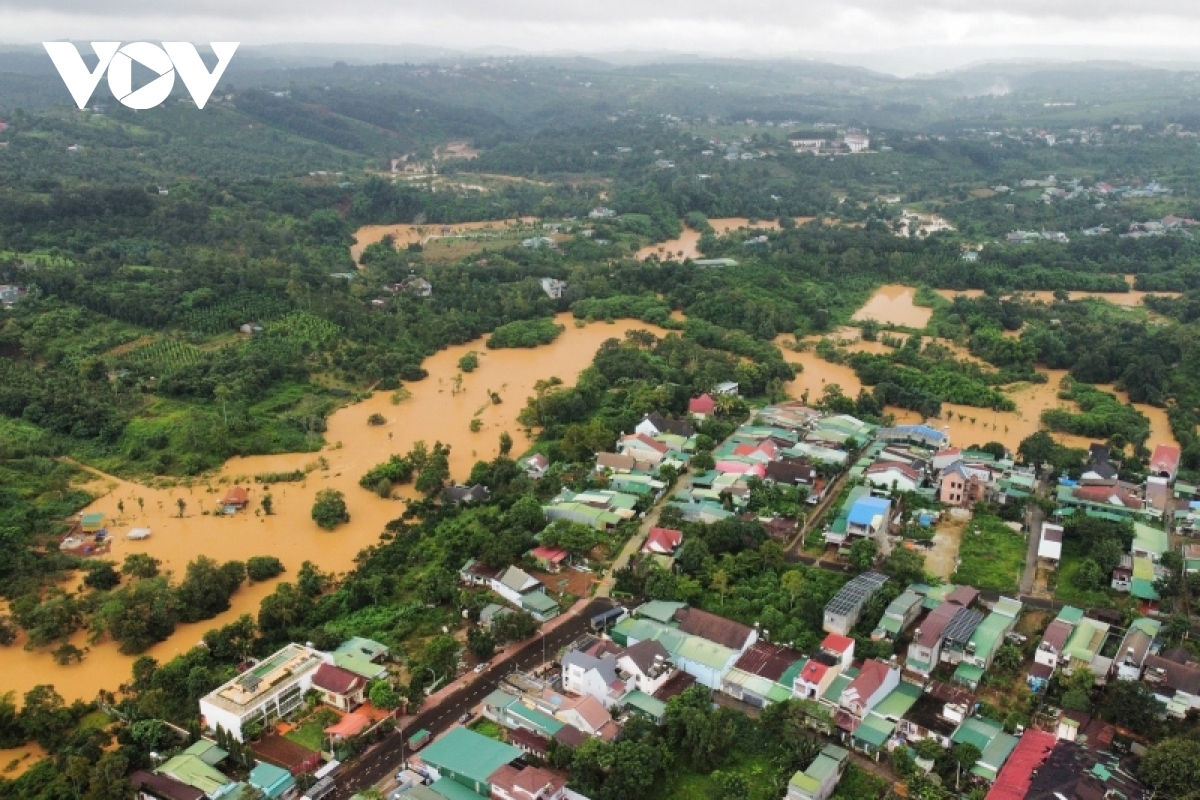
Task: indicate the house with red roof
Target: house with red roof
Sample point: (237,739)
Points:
(702,406)
(664,541)
(840,648)
(874,682)
(235,500)
(1017,775)
(1164,463)
(814,679)
(530,783)
(888,475)
(550,559)
(340,688)
(643,448)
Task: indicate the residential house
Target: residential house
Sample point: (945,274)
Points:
(235,500)
(1148,542)
(1120,499)
(526,592)
(268,691)
(340,688)
(702,407)
(645,666)
(274,782)
(893,476)
(474,573)
(875,681)
(1084,647)
(584,713)
(1050,542)
(877,730)
(155,786)
(705,660)
(944,458)
(820,778)
(869,517)
(362,656)
(843,611)
(985,640)
(614,463)
(490,612)
(923,435)
(1049,653)
(549,559)
(950,618)
(964,485)
(535,466)
(553,287)
(585,673)
(528,783)
(793,472)
(521,713)
(1164,463)
(643,448)
(729,388)
(899,614)
(709,626)
(994,744)
(764,674)
(196,766)
(1085,770)
(1174,677)
(1158,494)
(655,423)
(1135,647)
(937,713)
(1191,558)
(467,758)
(1016,777)
(663,541)
(466,495)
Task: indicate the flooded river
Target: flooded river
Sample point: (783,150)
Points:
(433,412)
(1130,299)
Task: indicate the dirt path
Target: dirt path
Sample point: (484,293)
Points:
(942,559)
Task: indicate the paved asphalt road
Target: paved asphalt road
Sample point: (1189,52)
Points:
(383,760)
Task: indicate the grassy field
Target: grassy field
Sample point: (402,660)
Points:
(311,734)
(1065,589)
(758,771)
(991,555)
(487,728)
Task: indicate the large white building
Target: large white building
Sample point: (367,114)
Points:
(266,692)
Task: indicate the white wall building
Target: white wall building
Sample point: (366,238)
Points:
(266,692)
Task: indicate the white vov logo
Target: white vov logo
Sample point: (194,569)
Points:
(172,57)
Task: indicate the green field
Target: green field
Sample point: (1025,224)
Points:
(991,556)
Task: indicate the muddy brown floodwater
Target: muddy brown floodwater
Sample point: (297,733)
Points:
(685,245)
(1130,299)
(894,305)
(413,234)
(432,412)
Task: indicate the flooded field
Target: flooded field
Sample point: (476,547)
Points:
(406,234)
(685,245)
(16,761)
(434,411)
(1130,299)
(893,304)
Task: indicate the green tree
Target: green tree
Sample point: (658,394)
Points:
(862,554)
(1133,705)
(268,504)
(481,643)
(140,565)
(45,717)
(514,627)
(263,568)
(1171,768)
(506,443)
(384,695)
(904,565)
(329,509)
(964,756)
(1037,449)
(102,575)
(207,587)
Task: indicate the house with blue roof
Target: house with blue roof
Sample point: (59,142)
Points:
(868,517)
(916,434)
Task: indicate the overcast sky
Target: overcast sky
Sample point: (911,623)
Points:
(717,27)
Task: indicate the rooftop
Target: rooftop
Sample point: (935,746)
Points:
(287,665)
(725,632)
(470,754)
(851,596)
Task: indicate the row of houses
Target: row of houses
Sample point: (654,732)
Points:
(515,585)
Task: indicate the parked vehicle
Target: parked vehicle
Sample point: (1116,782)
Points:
(419,739)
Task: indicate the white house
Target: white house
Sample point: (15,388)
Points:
(592,675)
(875,681)
(513,583)
(645,666)
(268,691)
(888,475)
(1050,543)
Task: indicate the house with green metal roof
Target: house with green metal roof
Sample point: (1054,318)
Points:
(994,744)
(898,701)
(662,611)
(1145,574)
(359,666)
(364,648)
(468,758)
(272,781)
(899,614)
(195,772)
(1149,542)
(872,735)
(598,518)
(1083,648)
(819,780)
(540,605)
(641,703)
(989,635)
(449,789)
